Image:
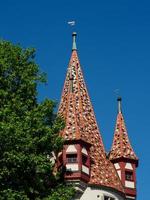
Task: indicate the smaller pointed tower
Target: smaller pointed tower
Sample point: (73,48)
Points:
(123,156)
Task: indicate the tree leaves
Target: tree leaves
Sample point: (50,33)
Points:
(28,130)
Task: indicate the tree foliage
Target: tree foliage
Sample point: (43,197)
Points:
(28,131)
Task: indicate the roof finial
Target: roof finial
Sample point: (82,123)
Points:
(74,47)
(119,99)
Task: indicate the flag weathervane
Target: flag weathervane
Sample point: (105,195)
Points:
(71,23)
(74,34)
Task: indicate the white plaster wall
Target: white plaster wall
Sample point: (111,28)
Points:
(129,197)
(98,194)
(72,167)
(85,169)
(129,184)
(119,173)
(71,149)
(84,151)
(117,166)
(128,166)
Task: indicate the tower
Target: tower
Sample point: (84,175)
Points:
(123,156)
(83,157)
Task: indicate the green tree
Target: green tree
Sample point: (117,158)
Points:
(28,131)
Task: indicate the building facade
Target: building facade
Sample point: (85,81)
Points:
(95,174)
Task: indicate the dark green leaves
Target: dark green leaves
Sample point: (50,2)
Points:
(28,130)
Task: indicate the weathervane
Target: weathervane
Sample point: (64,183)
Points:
(71,23)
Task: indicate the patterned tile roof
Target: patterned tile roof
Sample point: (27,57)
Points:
(121,147)
(76,108)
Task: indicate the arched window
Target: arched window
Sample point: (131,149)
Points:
(108,198)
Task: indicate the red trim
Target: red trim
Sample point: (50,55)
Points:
(122,164)
(77,174)
(130,192)
(80,158)
(126,160)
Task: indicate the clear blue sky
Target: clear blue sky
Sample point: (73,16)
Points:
(114,51)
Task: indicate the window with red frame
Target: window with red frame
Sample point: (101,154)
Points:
(129,175)
(71,158)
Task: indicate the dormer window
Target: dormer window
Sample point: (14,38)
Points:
(84,159)
(129,175)
(108,198)
(71,158)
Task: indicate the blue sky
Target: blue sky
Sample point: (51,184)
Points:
(114,49)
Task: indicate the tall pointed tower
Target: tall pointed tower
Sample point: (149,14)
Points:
(123,156)
(83,156)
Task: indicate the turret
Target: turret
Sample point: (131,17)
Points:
(123,156)
(75,156)
(83,157)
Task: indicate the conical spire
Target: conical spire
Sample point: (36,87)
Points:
(76,109)
(121,147)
